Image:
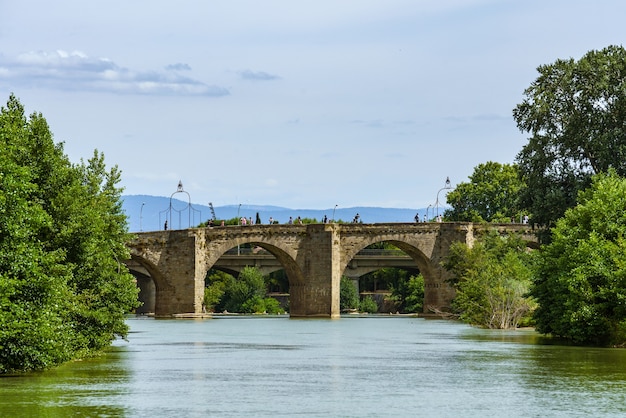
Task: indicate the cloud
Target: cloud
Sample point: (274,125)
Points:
(63,70)
(178,67)
(381,123)
(257,75)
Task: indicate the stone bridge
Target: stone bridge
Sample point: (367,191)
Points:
(314,257)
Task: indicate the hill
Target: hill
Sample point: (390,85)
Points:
(148,213)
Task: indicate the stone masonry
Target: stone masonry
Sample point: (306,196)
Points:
(314,257)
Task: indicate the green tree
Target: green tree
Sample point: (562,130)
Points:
(348,295)
(368,304)
(408,293)
(250,285)
(215,283)
(244,294)
(574,112)
(580,279)
(33,281)
(63,288)
(492,280)
(490,196)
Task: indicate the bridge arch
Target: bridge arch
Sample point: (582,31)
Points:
(420,251)
(286,260)
(288,264)
(421,260)
(150,280)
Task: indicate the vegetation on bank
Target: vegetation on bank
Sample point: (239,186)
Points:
(492,280)
(244,294)
(570,182)
(580,277)
(64,292)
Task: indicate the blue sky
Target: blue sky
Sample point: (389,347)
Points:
(301,104)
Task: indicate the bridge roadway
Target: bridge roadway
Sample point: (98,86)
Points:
(314,257)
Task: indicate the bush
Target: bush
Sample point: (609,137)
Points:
(409,294)
(272,307)
(492,280)
(348,295)
(368,304)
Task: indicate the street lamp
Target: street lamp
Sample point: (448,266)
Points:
(447,186)
(238,223)
(180,189)
(141,217)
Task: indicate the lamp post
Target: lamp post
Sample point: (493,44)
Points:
(447,186)
(238,223)
(141,217)
(180,189)
(334,213)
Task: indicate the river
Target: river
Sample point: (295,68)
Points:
(356,366)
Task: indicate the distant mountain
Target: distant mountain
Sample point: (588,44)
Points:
(149,213)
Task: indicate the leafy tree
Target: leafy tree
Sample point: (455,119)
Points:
(492,280)
(63,288)
(409,294)
(574,112)
(244,294)
(490,196)
(271,306)
(216,283)
(33,281)
(368,304)
(580,279)
(348,295)
(238,292)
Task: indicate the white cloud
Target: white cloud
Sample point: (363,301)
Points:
(179,66)
(72,71)
(257,75)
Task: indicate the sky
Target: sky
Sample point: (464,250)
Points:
(299,104)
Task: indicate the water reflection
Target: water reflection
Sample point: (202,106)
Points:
(82,388)
(354,367)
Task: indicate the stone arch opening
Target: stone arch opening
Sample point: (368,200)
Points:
(354,263)
(232,256)
(149,280)
(284,259)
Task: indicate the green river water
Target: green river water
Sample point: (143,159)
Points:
(376,366)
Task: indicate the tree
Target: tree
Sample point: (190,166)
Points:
(348,295)
(491,195)
(580,279)
(248,286)
(368,304)
(215,287)
(492,280)
(246,294)
(574,112)
(63,288)
(408,293)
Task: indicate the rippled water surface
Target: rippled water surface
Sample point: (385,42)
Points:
(351,367)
